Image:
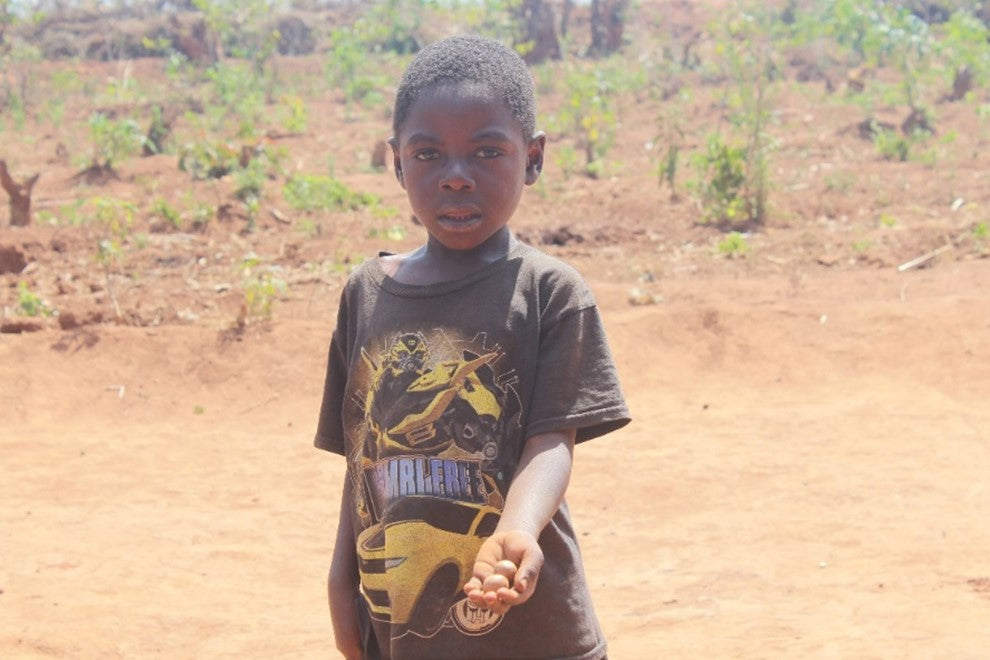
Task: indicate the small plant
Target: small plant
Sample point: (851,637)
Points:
(892,145)
(209,161)
(113,140)
(320,192)
(14,105)
(30,303)
(721,186)
(295,116)
(347,70)
(262,287)
(587,114)
(392,233)
(249,181)
(167,212)
(309,227)
(733,170)
(981,231)
(667,170)
(566,157)
(733,245)
(238,96)
(839,182)
(963,44)
(114,218)
(201,214)
(155,142)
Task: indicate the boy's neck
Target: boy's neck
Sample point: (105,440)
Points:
(434,263)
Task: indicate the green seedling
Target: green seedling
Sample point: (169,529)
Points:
(30,303)
(733,245)
(167,212)
(262,286)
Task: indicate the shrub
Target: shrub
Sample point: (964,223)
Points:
(209,161)
(113,139)
(320,192)
(347,69)
(733,184)
(587,114)
(723,185)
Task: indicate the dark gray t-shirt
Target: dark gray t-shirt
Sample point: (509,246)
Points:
(431,392)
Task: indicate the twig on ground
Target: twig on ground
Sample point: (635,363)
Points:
(258,405)
(923,258)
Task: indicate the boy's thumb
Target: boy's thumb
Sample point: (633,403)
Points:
(528,572)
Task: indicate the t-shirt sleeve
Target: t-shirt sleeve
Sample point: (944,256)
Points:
(576,382)
(330,427)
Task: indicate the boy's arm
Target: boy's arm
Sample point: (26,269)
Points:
(536,493)
(342,585)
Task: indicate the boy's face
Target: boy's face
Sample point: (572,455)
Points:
(463,161)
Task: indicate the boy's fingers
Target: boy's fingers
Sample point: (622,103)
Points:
(529,571)
(472,586)
(482,569)
(509,596)
(494,603)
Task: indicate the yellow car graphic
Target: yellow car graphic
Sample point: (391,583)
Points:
(412,570)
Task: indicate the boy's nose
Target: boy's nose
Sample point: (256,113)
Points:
(456,177)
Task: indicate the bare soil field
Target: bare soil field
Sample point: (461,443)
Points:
(805,475)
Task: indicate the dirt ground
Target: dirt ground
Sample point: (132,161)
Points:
(805,476)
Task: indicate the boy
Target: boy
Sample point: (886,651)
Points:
(460,376)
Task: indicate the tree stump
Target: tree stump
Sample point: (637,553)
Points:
(20,196)
(962,83)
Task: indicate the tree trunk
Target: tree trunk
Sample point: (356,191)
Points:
(565,17)
(20,196)
(541,32)
(607,23)
(597,29)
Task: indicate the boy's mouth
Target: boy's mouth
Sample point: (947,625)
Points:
(459,217)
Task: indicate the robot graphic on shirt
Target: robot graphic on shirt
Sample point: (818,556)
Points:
(432,427)
(413,405)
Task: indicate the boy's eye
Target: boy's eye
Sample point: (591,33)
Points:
(489,152)
(426,154)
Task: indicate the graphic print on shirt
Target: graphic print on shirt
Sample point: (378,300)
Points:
(432,480)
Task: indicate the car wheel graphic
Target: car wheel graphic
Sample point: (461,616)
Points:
(436,598)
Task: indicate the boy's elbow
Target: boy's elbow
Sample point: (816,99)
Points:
(338,579)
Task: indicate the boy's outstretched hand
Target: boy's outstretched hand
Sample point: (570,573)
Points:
(505,571)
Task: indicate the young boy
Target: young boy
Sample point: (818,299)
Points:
(460,376)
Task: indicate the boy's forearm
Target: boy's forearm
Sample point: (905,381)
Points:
(342,585)
(344,567)
(540,482)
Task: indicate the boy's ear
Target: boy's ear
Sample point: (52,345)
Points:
(396,162)
(534,157)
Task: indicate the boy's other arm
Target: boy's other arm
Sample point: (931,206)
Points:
(536,493)
(342,585)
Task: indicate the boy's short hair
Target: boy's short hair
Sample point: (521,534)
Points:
(467,58)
